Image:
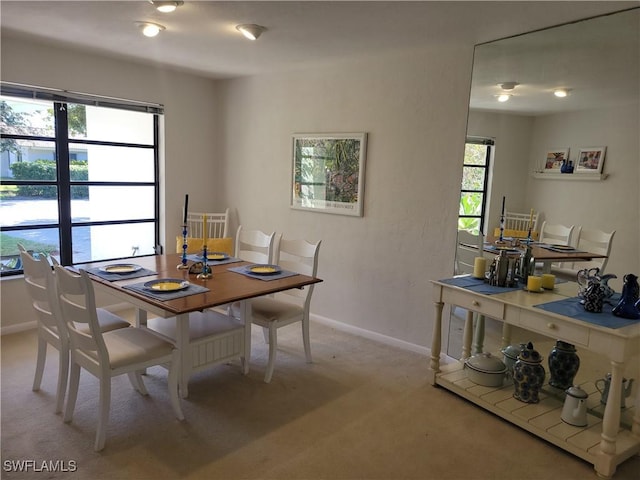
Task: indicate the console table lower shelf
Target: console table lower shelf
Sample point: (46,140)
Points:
(543,418)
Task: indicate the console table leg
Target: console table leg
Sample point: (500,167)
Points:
(478,335)
(436,343)
(467,336)
(605,464)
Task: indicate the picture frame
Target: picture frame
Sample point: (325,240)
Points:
(590,160)
(553,159)
(327,172)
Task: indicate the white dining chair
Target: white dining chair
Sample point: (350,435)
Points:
(520,221)
(217,233)
(589,240)
(290,306)
(109,354)
(556,233)
(469,246)
(217,224)
(51,329)
(255,245)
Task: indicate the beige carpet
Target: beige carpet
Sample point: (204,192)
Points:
(362,410)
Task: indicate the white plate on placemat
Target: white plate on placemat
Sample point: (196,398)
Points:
(263,269)
(120,268)
(166,285)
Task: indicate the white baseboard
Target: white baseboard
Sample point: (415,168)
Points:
(360,332)
(378,337)
(20,327)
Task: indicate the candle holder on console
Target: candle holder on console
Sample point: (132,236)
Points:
(500,240)
(183,264)
(206,269)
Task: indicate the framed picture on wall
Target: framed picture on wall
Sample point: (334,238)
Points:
(328,172)
(590,160)
(554,158)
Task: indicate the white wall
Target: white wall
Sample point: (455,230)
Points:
(376,269)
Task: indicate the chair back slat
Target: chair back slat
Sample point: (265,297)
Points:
(217,224)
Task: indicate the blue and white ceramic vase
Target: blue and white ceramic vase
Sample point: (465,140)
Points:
(627,306)
(563,365)
(528,375)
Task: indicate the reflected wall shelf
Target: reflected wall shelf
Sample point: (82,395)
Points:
(571,176)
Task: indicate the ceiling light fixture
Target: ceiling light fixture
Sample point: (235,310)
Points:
(503,97)
(561,92)
(165,7)
(150,29)
(251,30)
(508,85)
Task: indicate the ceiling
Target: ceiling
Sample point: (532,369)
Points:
(201,38)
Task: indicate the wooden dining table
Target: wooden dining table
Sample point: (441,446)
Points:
(541,252)
(223,288)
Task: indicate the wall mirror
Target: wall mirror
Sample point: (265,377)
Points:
(596,61)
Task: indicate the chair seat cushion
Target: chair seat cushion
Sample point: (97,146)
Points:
(108,321)
(269,310)
(194,245)
(134,345)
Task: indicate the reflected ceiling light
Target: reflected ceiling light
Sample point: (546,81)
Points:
(508,85)
(150,29)
(165,7)
(503,97)
(561,92)
(251,30)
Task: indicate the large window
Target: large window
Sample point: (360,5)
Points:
(475,181)
(79,177)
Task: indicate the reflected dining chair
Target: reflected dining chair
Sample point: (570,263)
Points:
(290,306)
(109,354)
(520,221)
(556,233)
(470,246)
(51,329)
(589,240)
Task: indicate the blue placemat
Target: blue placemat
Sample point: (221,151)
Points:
(199,258)
(561,250)
(192,289)
(477,285)
(276,276)
(571,307)
(112,277)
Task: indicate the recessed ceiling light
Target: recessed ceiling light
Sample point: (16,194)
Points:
(561,92)
(150,29)
(165,7)
(503,97)
(251,30)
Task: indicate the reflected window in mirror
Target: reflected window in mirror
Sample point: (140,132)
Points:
(475,184)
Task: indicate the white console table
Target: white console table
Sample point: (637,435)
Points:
(605,442)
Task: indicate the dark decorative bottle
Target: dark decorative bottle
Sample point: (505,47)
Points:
(563,365)
(626,307)
(528,375)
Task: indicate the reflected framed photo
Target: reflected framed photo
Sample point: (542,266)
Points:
(553,160)
(590,160)
(328,172)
